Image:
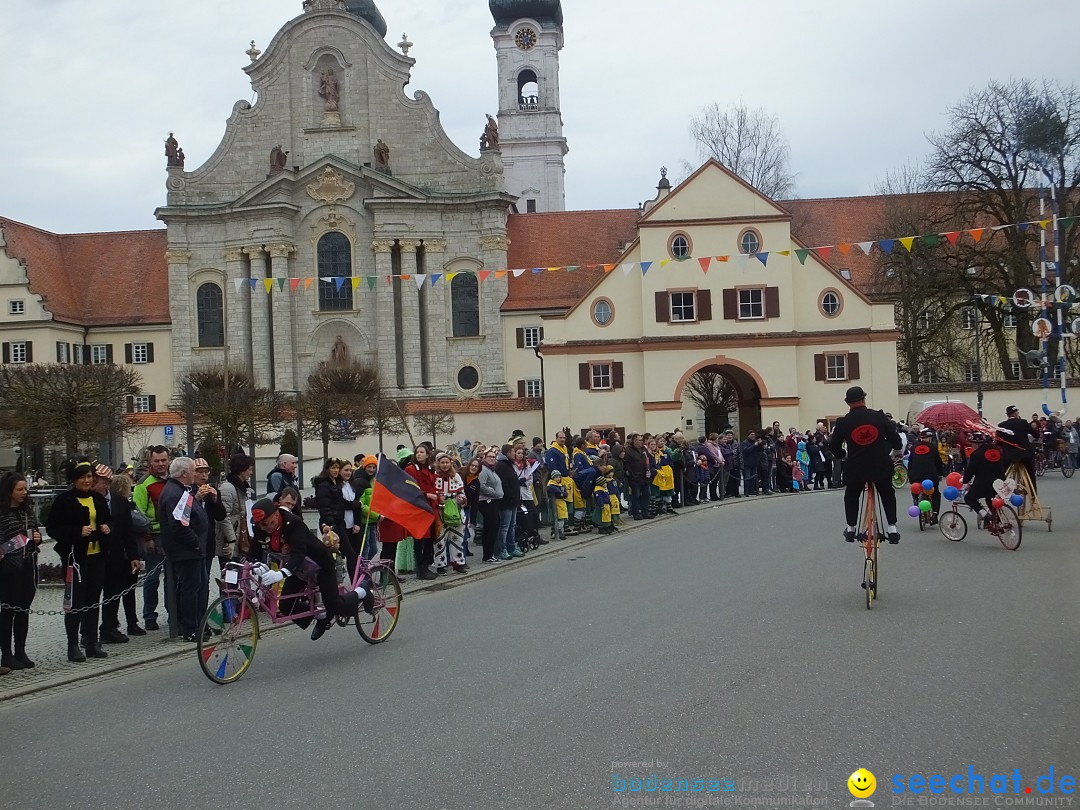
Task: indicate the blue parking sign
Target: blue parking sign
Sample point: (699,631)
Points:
(168,431)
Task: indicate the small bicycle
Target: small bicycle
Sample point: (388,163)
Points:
(900,474)
(870,533)
(1002,524)
(229,632)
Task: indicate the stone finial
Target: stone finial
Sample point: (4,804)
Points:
(405,44)
(253,52)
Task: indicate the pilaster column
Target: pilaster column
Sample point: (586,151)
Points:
(410,315)
(493,249)
(386,338)
(260,318)
(283,328)
(238,310)
(183,314)
(438,320)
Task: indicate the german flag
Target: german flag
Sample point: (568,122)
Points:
(398,497)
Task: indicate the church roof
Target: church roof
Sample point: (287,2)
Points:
(94,279)
(505,12)
(558,239)
(367,10)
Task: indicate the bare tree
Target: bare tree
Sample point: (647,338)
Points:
(239,413)
(749,142)
(387,417)
(434,422)
(45,404)
(339,393)
(714,393)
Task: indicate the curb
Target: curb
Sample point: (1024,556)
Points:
(412,587)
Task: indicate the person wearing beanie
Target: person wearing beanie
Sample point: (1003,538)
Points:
(282,532)
(557,496)
(363,482)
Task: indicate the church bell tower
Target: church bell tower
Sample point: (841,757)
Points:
(528,36)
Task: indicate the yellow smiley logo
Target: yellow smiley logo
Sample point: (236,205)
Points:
(862,784)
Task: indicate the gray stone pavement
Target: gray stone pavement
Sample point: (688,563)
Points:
(47,642)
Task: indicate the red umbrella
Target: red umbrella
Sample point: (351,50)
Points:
(947,415)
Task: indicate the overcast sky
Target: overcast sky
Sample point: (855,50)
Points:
(91,89)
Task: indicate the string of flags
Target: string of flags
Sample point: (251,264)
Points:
(886,246)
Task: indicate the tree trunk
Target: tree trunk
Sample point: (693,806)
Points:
(324,429)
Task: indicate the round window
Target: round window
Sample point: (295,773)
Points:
(468,378)
(749,242)
(602,312)
(830,303)
(680,247)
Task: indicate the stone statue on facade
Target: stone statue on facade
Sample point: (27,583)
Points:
(382,155)
(329,90)
(278,159)
(174,155)
(490,138)
(339,354)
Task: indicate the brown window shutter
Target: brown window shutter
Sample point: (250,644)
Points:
(772,302)
(29,351)
(59,350)
(129,403)
(731,305)
(149,352)
(7,352)
(663,306)
(521,389)
(541,334)
(127,353)
(153,402)
(584,376)
(108,353)
(704,305)
(616,375)
(853,366)
(819,367)
(520,337)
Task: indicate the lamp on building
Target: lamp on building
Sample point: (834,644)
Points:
(538,351)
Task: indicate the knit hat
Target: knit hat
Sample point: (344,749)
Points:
(369,461)
(262,509)
(556,476)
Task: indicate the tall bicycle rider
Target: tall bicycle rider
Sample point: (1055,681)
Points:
(870,438)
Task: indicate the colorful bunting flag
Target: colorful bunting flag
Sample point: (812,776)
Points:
(340,282)
(886,246)
(763,258)
(801,254)
(866,247)
(824,252)
(976,234)
(269,284)
(931,240)
(953,237)
(483,275)
(371,282)
(645,267)
(844,248)
(628,268)
(436,276)
(281,283)
(308,282)
(294,284)
(705,264)
(907,242)
(420,278)
(356,282)
(238,283)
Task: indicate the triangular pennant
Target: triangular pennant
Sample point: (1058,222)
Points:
(801,254)
(356,283)
(238,283)
(483,275)
(405,277)
(664,263)
(308,282)
(931,240)
(907,242)
(627,268)
(435,277)
(645,267)
(294,284)
(1044,224)
(1002,227)
(886,245)
(371,282)
(269,284)
(554,269)
(705,264)
(500,273)
(517,273)
(823,252)
(281,283)
(1066,222)
(450,276)
(844,248)
(254,282)
(419,278)
(866,247)
(977,234)
(537,270)
(721,258)
(742,259)
(609,267)
(783,253)
(953,237)
(1023,226)
(340,282)
(327,279)
(763,258)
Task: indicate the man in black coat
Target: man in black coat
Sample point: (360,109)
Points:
(870,438)
(185,527)
(1017,447)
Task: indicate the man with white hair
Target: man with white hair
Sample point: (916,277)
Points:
(283,475)
(184,529)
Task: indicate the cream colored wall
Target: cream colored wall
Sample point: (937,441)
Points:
(695,199)
(157,377)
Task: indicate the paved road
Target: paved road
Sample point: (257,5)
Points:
(728,644)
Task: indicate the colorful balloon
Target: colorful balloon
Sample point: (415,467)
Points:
(925,506)
(1016,499)
(998,503)
(951,493)
(928,485)
(916,488)
(913,511)
(954,479)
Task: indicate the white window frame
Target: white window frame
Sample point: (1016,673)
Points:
(18,352)
(99,354)
(534,389)
(16,306)
(680,315)
(531,336)
(836,368)
(140,354)
(971,372)
(1009,322)
(930,377)
(825,307)
(611,312)
(1016,371)
(140,403)
(969,318)
(747,299)
(676,254)
(63,352)
(598,374)
(925,320)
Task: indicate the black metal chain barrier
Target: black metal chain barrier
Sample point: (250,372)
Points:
(138,583)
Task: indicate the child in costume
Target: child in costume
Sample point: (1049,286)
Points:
(557,498)
(702,477)
(613,498)
(602,503)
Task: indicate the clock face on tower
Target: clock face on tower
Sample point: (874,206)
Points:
(525,39)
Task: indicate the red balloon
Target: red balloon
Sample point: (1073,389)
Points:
(998,503)
(954,479)
(916,489)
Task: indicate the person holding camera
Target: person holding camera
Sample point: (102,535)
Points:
(753,450)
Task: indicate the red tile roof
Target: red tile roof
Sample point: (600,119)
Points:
(94,279)
(560,239)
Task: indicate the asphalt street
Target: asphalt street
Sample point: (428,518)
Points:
(729,644)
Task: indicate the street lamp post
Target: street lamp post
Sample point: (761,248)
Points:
(978,361)
(537,350)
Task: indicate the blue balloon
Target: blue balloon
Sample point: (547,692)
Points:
(928,485)
(1016,499)
(951,493)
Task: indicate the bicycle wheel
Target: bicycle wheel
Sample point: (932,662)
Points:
(227,638)
(877,572)
(1009,529)
(899,477)
(868,582)
(377,626)
(1040,466)
(922,521)
(953,526)
(1067,468)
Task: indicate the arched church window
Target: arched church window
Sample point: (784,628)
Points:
(465,303)
(528,91)
(334,255)
(211,315)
